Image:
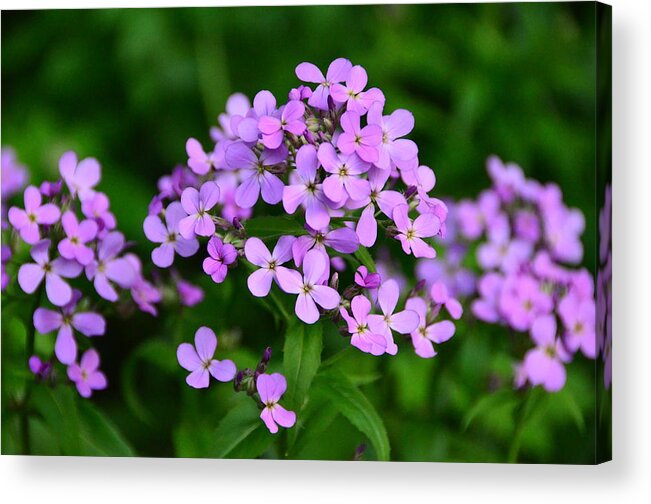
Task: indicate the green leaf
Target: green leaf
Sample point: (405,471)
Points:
(268,227)
(488,403)
(156,352)
(58,408)
(310,424)
(364,257)
(241,433)
(354,405)
(99,435)
(302,357)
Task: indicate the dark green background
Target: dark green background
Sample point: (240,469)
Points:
(130,86)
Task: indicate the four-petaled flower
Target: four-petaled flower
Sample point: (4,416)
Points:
(353,94)
(198,359)
(411,234)
(87,323)
(543,365)
(80,177)
(290,120)
(343,181)
(86,375)
(78,234)
(358,325)
(355,139)
(221,255)
(109,268)
(402,322)
(27,221)
(271,388)
(168,236)
(257,253)
(337,72)
(31,275)
(425,335)
(196,205)
(310,291)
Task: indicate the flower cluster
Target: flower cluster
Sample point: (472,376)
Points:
(527,239)
(70,233)
(266,389)
(335,162)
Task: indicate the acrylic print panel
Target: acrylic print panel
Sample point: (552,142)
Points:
(334,233)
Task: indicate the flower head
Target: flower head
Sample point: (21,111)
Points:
(169,236)
(86,375)
(198,359)
(27,221)
(220,256)
(270,389)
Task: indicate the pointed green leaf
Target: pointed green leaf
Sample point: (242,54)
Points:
(302,357)
(241,433)
(268,227)
(354,405)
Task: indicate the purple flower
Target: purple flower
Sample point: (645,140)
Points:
(198,359)
(196,205)
(144,293)
(168,236)
(367,280)
(51,189)
(97,207)
(87,323)
(256,178)
(80,177)
(290,120)
(544,364)
(27,221)
(343,181)
(237,105)
(42,369)
(307,286)
(411,234)
(424,336)
(198,161)
(6,257)
(109,268)
(387,200)
(78,234)
(264,104)
(337,72)
(439,294)
(578,316)
(486,307)
(402,322)
(500,252)
(221,255)
(257,253)
(355,139)
(31,275)
(363,337)
(306,192)
(523,300)
(86,375)
(393,148)
(189,294)
(343,240)
(270,389)
(14,175)
(353,94)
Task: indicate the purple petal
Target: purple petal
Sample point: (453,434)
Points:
(267,418)
(543,330)
(121,272)
(48,214)
(399,123)
(246,195)
(256,252)
(46,321)
(187,357)
(290,281)
(314,265)
(190,200)
(163,256)
(338,70)
(427,225)
(272,188)
(264,103)
(222,371)
(325,296)
(283,249)
(440,332)
(154,229)
(308,72)
(306,309)
(89,361)
(58,291)
(357,78)
(65,346)
(89,323)
(259,282)
(205,342)
(283,417)
(367,227)
(343,240)
(388,295)
(104,288)
(199,378)
(316,213)
(405,321)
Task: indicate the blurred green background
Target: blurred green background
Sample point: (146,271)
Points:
(130,86)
